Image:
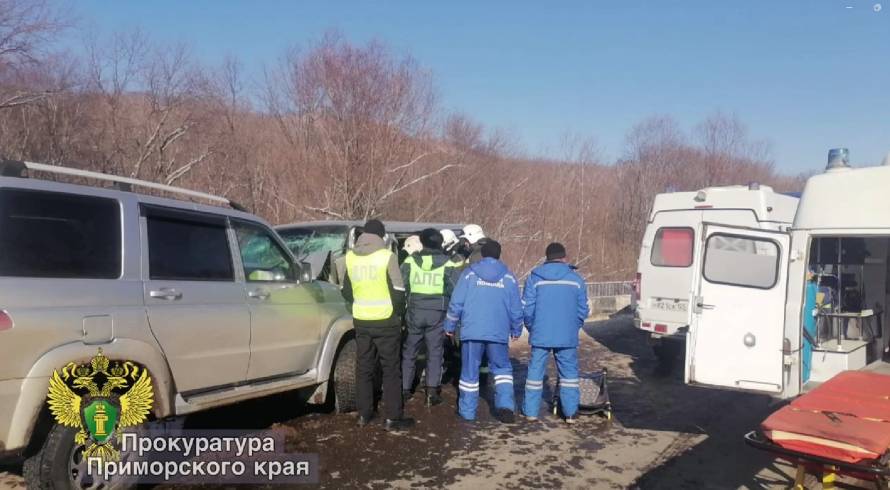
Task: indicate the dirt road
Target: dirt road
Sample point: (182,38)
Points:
(664,435)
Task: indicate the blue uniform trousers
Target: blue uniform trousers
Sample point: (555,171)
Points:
(498,355)
(569,383)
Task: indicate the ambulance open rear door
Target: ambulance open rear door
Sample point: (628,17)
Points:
(735,338)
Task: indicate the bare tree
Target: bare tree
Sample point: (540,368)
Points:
(724,140)
(366,116)
(352,132)
(26,29)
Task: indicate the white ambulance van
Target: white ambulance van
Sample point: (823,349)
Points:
(670,250)
(778,311)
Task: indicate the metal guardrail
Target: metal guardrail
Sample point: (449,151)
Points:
(611,288)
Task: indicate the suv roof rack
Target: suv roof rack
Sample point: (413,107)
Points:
(14,168)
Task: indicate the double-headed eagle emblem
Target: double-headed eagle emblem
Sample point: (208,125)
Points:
(98,398)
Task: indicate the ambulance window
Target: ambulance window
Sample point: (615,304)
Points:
(673,247)
(741,261)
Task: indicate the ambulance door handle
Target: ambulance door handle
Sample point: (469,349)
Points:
(699,305)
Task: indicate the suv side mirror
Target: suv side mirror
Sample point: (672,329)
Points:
(306,274)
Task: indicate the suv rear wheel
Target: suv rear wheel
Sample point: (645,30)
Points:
(60,465)
(343,378)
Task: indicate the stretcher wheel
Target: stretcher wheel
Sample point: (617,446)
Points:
(609,415)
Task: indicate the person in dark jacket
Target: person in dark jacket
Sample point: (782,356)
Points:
(487,305)
(555,308)
(429,283)
(375,294)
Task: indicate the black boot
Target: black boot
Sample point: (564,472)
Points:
(400,424)
(433,396)
(505,415)
(406,395)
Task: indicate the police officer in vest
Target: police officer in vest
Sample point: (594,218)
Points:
(374,290)
(429,282)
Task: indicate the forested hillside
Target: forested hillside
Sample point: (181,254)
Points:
(336,130)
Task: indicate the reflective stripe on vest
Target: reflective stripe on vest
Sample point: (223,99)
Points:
(370,289)
(426,280)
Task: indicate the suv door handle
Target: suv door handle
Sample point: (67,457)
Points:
(261,294)
(703,306)
(166,293)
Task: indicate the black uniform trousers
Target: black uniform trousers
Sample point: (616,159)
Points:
(383,344)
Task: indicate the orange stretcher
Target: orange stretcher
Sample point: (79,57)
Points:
(840,428)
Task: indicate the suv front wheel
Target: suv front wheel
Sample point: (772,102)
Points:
(343,378)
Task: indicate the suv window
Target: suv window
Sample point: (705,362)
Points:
(187,249)
(52,234)
(741,261)
(263,259)
(673,247)
(305,241)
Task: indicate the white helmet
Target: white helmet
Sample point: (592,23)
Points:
(412,244)
(448,238)
(473,233)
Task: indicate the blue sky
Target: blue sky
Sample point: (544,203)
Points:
(804,75)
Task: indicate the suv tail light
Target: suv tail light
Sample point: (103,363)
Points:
(636,292)
(6,322)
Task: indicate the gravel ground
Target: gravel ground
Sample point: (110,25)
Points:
(663,435)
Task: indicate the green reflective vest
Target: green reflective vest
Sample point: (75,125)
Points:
(370,289)
(426,280)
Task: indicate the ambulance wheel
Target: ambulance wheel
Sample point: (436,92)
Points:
(665,360)
(60,464)
(343,378)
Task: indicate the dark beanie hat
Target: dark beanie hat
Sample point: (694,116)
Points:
(555,251)
(431,238)
(375,227)
(491,249)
